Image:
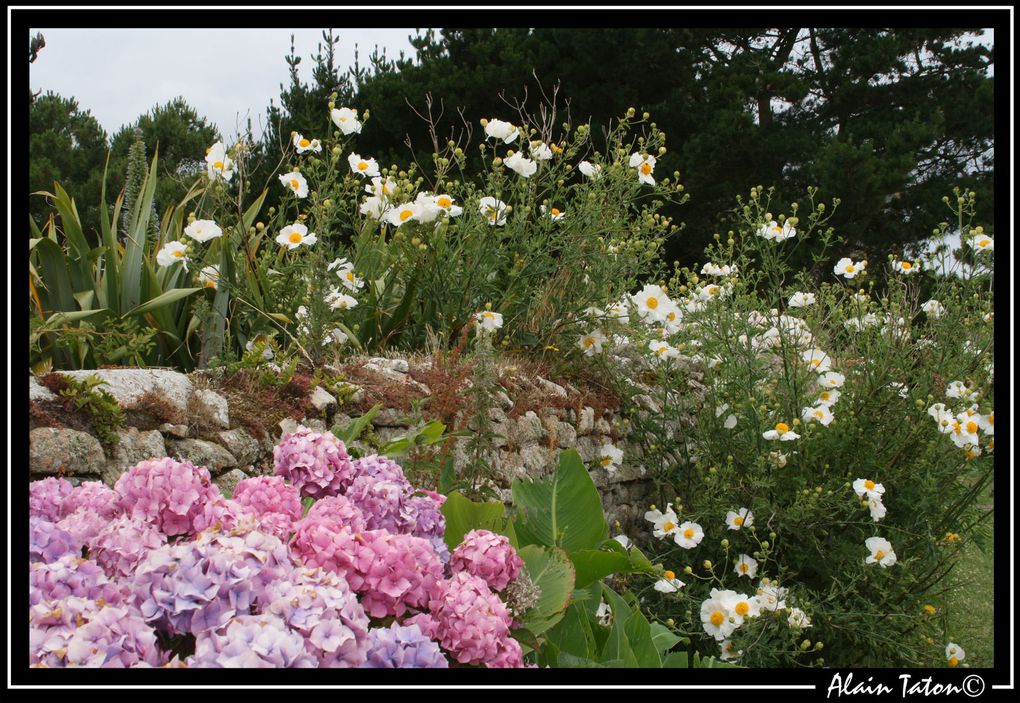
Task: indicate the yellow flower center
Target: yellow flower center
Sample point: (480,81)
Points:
(782,427)
(607,460)
(441,201)
(984,242)
(742,608)
(668,526)
(850,268)
(991,418)
(652,303)
(295,237)
(879,555)
(907,265)
(689,533)
(404,214)
(179,254)
(743,568)
(218,165)
(304,143)
(362,165)
(738,521)
(295,183)
(869,484)
(646,168)
(210,283)
(819,414)
(824,395)
(555,212)
(929,610)
(717,618)
(972,427)
(588,341)
(777,229)
(815,362)
(953,661)
(350,276)
(668,575)
(671,316)
(488,315)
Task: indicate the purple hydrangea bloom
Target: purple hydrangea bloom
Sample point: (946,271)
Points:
(71,575)
(121,545)
(94,496)
(277,524)
(51,625)
(400,647)
(169,494)
(113,637)
(383,503)
(473,621)
(251,642)
(83,525)
(201,585)
(489,556)
(45,497)
(316,463)
(321,607)
(48,542)
(379,467)
(428,520)
(269,494)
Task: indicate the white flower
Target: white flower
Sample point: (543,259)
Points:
(498,129)
(740,606)
(798,619)
(773,231)
(934,308)
(876,507)
(963,430)
(664,524)
(624,541)
(403,213)
(610,457)
(905,267)
(770,597)
(338,300)
(801,300)
(956,389)
(663,350)
(302,145)
(604,614)
(881,552)
(817,359)
(820,414)
(651,303)
(726,652)
(295,183)
(203,230)
(346,120)
(589,169)
(522,166)
(900,388)
(982,242)
(731,420)
(172,253)
(345,272)
(942,416)
(778,459)
(669,583)
(445,203)
(745,565)
(334,336)
(488,320)
(858,323)
(493,209)
(381,188)
(849,269)
(592,343)
(831,379)
(987,423)
(715,616)
(218,164)
(867,487)
(293,236)
(712,292)
(688,535)
(540,151)
(954,654)
(782,432)
(363,167)
(209,276)
(828,398)
(554,213)
(374,207)
(644,164)
(740,518)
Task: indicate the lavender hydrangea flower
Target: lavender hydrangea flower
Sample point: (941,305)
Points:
(316,463)
(488,556)
(114,637)
(323,609)
(168,494)
(47,542)
(251,642)
(83,525)
(51,625)
(400,647)
(46,496)
(121,545)
(383,503)
(71,575)
(379,467)
(94,496)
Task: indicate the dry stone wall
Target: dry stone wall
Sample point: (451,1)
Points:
(534,419)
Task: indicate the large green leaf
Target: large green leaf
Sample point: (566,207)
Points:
(353,431)
(663,637)
(53,272)
(463,515)
(617,645)
(137,237)
(171,296)
(549,569)
(563,510)
(593,565)
(573,634)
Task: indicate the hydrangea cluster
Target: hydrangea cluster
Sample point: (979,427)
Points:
(95,497)
(316,463)
(122,544)
(70,575)
(269,494)
(472,623)
(77,631)
(488,556)
(46,497)
(48,542)
(392,572)
(251,642)
(168,494)
(403,647)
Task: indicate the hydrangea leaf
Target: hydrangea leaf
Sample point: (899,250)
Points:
(551,570)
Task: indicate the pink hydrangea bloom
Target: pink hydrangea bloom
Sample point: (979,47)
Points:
(391,572)
(510,655)
(324,542)
(48,542)
(122,544)
(269,494)
(94,496)
(276,524)
(383,502)
(251,642)
(473,621)
(169,494)
(488,556)
(316,463)
(71,575)
(321,607)
(341,509)
(45,497)
(114,637)
(51,625)
(83,525)
(221,514)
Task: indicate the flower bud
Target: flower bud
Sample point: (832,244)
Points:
(725,544)
(707,564)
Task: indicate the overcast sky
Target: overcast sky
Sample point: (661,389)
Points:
(119,74)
